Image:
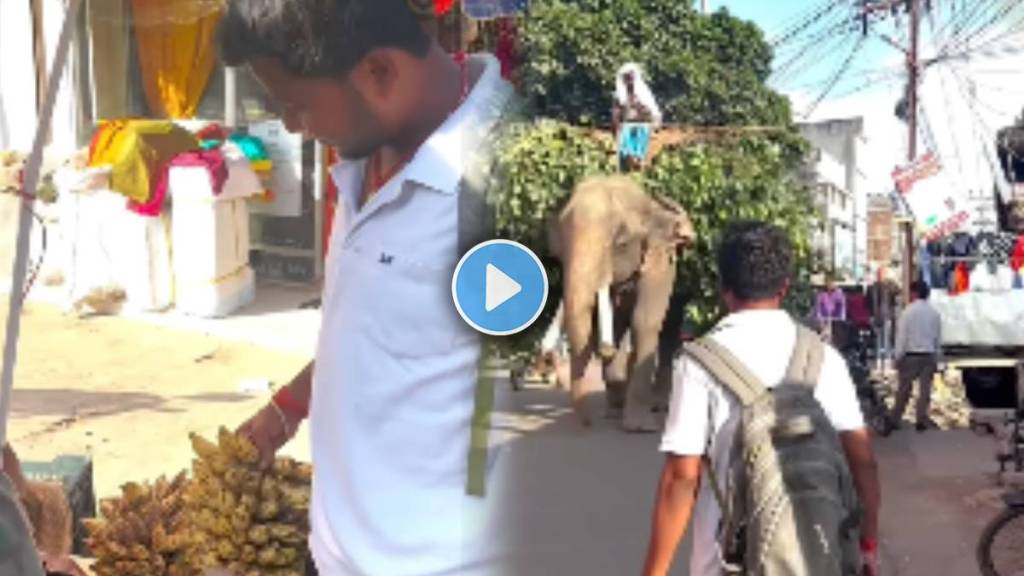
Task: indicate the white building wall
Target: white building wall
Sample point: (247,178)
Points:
(18,112)
(17,77)
(838,142)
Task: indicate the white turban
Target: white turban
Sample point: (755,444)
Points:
(641,89)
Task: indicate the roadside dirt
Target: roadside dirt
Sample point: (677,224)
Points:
(128,393)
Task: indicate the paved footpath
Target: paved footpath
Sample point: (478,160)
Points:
(580,500)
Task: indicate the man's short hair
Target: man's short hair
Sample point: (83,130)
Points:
(318,38)
(755,260)
(921,289)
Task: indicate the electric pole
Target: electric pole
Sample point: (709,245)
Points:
(869,8)
(913,80)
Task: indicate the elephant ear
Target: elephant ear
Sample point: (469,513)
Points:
(668,204)
(663,221)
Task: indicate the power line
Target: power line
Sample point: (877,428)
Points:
(814,17)
(837,76)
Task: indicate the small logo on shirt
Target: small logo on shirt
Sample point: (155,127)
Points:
(386,258)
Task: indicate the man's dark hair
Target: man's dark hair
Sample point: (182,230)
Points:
(754,260)
(921,289)
(317,38)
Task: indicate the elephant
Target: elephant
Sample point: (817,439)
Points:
(620,244)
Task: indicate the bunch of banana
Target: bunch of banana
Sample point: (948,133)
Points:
(246,519)
(141,533)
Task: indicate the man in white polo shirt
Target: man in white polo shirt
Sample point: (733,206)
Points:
(754,265)
(390,394)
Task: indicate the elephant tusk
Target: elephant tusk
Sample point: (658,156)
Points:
(605,318)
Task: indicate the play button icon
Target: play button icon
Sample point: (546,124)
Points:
(500,287)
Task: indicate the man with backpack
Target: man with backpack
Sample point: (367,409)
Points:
(765,441)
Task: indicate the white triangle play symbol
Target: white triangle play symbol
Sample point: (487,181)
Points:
(499,288)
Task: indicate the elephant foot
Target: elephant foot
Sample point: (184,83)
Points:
(640,422)
(581,414)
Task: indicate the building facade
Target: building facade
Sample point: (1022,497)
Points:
(841,242)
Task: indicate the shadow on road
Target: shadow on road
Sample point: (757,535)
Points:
(83,403)
(579,501)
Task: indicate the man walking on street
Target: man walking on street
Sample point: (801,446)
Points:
(917,351)
(391,392)
(763,343)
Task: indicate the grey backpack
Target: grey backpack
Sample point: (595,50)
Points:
(788,503)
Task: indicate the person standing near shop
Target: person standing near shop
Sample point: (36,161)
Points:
(390,393)
(830,307)
(918,351)
(881,297)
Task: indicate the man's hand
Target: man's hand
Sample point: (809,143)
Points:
(269,430)
(869,562)
(272,427)
(60,565)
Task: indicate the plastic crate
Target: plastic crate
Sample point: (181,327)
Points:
(75,474)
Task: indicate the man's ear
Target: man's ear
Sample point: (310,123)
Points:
(377,74)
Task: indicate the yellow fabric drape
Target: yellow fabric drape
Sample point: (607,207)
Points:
(176,52)
(136,151)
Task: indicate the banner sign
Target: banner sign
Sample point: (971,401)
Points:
(937,208)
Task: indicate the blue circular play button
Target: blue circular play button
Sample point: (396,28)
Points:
(500,287)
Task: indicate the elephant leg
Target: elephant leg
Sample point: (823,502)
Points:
(616,378)
(617,366)
(654,290)
(580,329)
(578,362)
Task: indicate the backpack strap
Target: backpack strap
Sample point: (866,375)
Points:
(808,354)
(726,369)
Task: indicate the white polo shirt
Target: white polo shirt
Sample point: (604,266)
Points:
(396,367)
(703,417)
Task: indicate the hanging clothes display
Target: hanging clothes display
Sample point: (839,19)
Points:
(936,268)
(987,250)
(961,280)
(1017,258)
(924,259)
(212,160)
(136,151)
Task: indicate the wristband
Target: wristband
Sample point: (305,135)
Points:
(284,419)
(284,400)
(868,545)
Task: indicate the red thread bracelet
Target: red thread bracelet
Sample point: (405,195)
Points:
(285,401)
(868,546)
